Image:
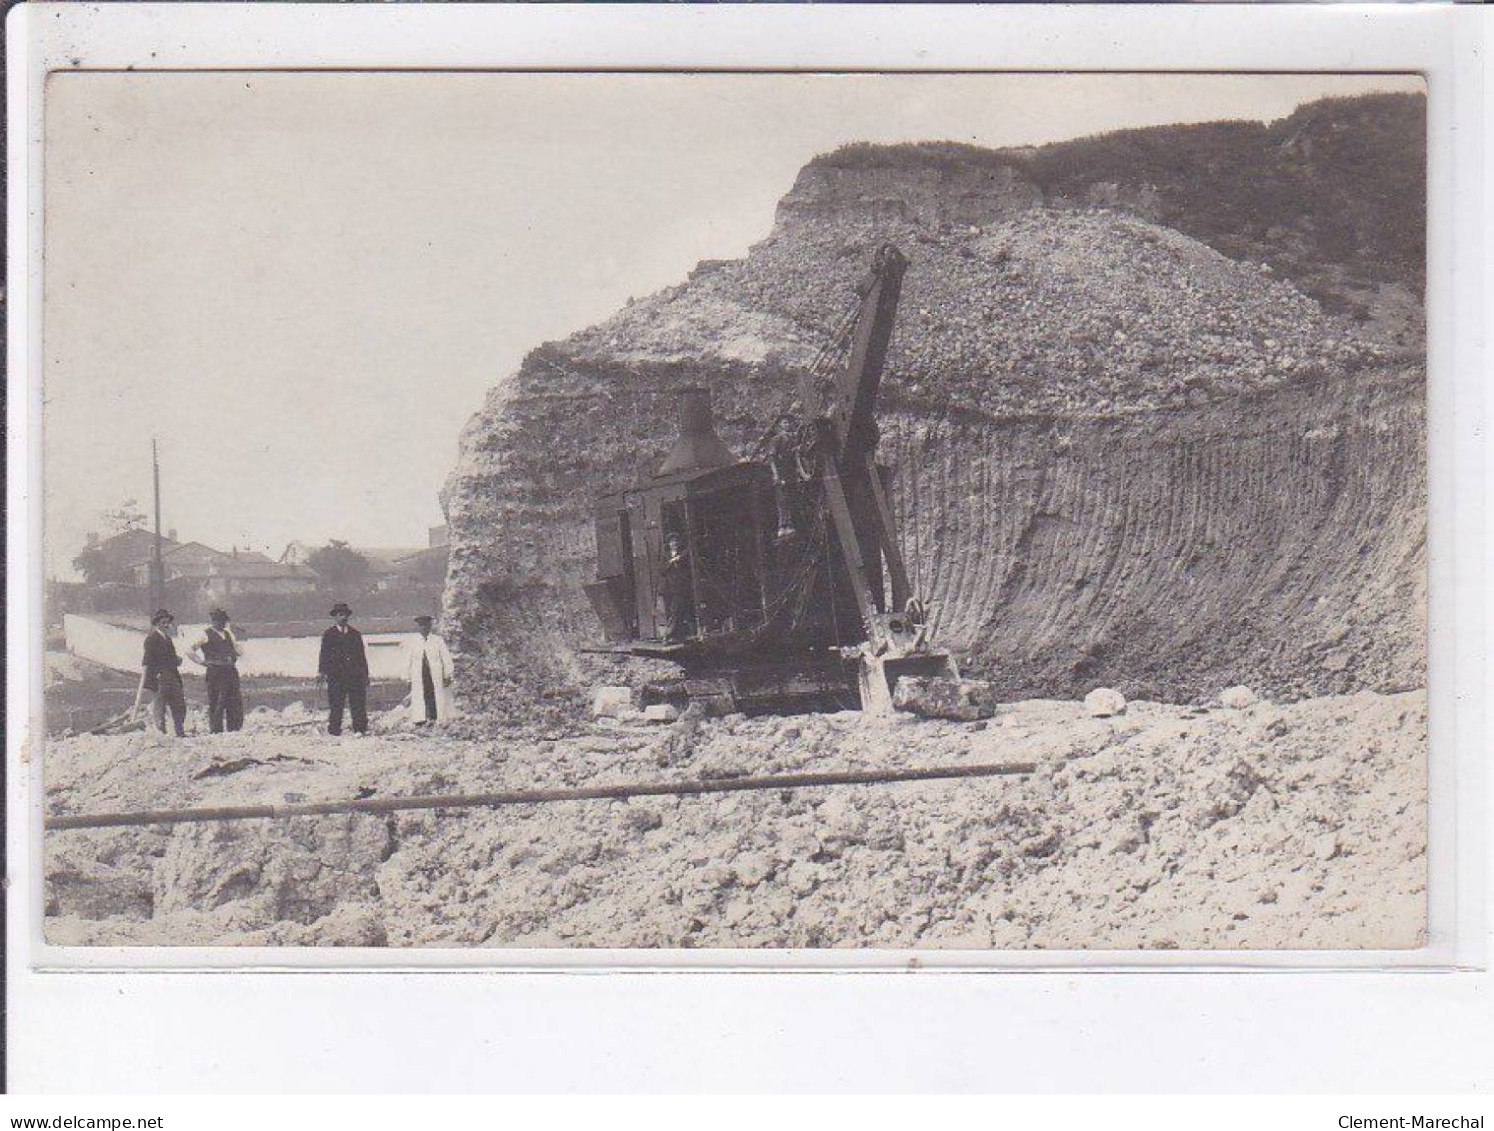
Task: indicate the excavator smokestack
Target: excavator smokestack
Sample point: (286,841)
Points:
(698,447)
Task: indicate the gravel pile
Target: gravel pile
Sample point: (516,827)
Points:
(1044,312)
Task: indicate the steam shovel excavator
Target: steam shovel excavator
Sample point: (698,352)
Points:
(774,582)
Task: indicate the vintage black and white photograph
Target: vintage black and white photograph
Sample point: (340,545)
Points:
(978,512)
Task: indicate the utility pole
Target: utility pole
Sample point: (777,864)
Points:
(157,567)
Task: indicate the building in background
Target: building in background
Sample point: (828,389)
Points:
(391,568)
(178,559)
(221,581)
(130,551)
(424,569)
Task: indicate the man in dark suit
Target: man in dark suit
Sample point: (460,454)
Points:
(344,666)
(163,675)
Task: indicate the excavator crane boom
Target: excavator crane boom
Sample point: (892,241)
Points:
(854,414)
(856,495)
(766,578)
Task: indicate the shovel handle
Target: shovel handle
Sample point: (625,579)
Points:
(139,694)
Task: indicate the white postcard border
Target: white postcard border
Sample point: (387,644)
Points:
(1443,43)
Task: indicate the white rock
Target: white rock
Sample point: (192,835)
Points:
(611,702)
(1103,702)
(752,868)
(1238,697)
(941,698)
(661,713)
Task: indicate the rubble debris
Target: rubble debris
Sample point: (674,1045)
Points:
(224,768)
(644,820)
(935,697)
(1326,846)
(889,866)
(661,713)
(221,767)
(122,723)
(1103,702)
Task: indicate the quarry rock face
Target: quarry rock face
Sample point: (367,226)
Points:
(1122,457)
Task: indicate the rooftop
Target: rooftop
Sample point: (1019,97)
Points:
(239,567)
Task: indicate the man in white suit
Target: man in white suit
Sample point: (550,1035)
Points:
(429,668)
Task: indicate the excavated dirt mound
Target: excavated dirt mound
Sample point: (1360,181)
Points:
(1040,312)
(1120,456)
(1274,826)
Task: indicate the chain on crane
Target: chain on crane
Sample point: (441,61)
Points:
(830,356)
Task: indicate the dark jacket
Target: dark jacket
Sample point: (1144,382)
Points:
(160,659)
(342,657)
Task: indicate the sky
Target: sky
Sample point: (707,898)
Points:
(303,285)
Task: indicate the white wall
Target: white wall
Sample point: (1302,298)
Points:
(297,655)
(117,647)
(106,644)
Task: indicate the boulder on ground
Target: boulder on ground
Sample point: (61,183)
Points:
(1238,697)
(1103,702)
(661,713)
(611,702)
(935,697)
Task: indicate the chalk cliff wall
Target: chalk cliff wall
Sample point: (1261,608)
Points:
(1122,456)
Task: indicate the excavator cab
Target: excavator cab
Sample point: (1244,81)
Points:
(681,556)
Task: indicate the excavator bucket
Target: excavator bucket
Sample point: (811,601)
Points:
(879,675)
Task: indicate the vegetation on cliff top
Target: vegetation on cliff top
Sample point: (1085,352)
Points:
(1332,196)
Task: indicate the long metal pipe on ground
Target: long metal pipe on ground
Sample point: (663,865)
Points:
(530,796)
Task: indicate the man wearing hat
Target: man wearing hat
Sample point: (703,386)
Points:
(344,666)
(162,674)
(218,652)
(429,666)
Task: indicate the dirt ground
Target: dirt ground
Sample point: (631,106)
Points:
(1272,826)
